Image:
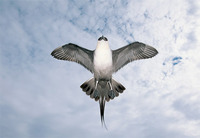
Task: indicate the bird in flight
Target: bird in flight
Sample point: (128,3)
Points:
(103,62)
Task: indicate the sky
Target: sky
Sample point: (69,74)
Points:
(40,97)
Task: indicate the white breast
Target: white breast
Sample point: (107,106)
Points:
(103,60)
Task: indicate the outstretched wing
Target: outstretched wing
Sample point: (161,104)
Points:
(75,53)
(131,52)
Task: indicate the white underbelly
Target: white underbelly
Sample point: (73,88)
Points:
(103,63)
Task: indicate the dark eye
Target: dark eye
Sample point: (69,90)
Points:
(100,38)
(105,39)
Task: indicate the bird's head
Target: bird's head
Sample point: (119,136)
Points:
(102,38)
(102,41)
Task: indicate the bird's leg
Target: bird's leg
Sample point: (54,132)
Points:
(96,93)
(111,92)
(96,83)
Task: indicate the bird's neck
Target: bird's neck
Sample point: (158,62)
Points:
(102,46)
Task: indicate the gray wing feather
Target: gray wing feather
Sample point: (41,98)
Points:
(75,53)
(131,52)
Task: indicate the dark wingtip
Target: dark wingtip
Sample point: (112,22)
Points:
(52,53)
(156,51)
(58,53)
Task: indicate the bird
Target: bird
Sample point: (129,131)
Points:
(102,63)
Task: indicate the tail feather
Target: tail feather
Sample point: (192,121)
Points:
(102,93)
(117,88)
(102,108)
(88,87)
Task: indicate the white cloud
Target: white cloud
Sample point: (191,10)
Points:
(40,96)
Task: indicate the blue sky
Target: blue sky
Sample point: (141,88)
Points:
(40,96)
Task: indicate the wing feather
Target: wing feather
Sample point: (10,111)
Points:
(75,53)
(131,52)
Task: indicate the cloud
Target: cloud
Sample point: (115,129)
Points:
(40,96)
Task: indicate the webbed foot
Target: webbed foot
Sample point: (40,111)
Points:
(111,94)
(96,95)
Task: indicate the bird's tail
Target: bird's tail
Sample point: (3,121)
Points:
(102,109)
(88,87)
(103,93)
(117,88)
